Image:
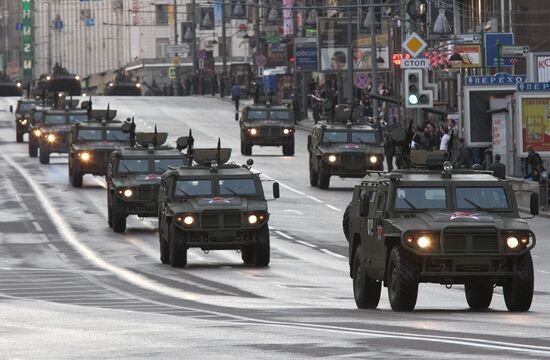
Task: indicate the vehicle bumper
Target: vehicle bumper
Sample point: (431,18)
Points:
(270,141)
(352,172)
(219,239)
(60,148)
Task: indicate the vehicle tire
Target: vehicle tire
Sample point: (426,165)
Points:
(33,147)
(324,176)
(246,148)
(366,291)
(177,247)
(19,136)
(288,149)
(247,254)
(262,247)
(402,279)
(479,295)
(118,209)
(345,221)
(518,291)
(75,176)
(44,157)
(313,176)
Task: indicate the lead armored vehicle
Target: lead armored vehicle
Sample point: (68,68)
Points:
(59,80)
(264,124)
(452,227)
(123,85)
(134,173)
(213,205)
(23,119)
(343,148)
(91,143)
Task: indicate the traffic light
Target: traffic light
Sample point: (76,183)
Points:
(415,94)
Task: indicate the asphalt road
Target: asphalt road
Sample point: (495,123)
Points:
(72,288)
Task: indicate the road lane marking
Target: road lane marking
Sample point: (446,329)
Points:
(297,212)
(333,207)
(315,199)
(284,235)
(543,272)
(328,252)
(305,243)
(53,247)
(37,226)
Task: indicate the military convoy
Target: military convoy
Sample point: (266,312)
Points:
(23,117)
(213,204)
(342,148)
(448,227)
(266,124)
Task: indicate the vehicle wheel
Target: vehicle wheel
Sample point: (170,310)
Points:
(247,254)
(262,248)
(324,176)
(479,295)
(345,221)
(33,147)
(75,176)
(177,247)
(366,291)
(518,291)
(44,157)
(19,136)
(288,149)
(313,176)
(119,215)
(402,279)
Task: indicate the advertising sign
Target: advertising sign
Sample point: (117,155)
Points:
(362,58)
(218,12)
(238,9)
(186,32)
(306,57)
(288,21)
(470,55)
(492,41)
(499,133)
(497,79)
(543,68)
(334,43)
(441,19)
(534,123)
(27,50)
(207,18)
(276,55)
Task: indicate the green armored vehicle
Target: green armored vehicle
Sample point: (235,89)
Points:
(452,227)
(213,205)
(55,126)
(23,120)
(91,143)
(345,149)
(267,125)
(133,176)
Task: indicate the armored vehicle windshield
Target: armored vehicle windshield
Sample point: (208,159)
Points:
(223,186)
(147,165)
(265,114)
(350,136)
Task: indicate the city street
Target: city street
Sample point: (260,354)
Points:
(72,288)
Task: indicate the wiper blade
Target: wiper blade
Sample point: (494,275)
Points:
(231,190)
(183,192)
(473,203)
(408,202)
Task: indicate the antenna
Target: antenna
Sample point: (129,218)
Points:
(218,151)
(89,109)
(155,140)
(190,142)
(108,109)
(132,133)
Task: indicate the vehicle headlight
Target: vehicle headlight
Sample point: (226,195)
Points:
(111,84)
(512,242)
(50,138)
(252,131)
(138,85)
(252,219)
(332,158)
(48,77)
(85,156)
(186,220)
(76,77)
(128,193)
(24,122)
(424,242)
(373,159)
(287,131)
(37,132)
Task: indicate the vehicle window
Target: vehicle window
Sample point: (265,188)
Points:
(365,137)
(279,115)
(116,135)
(55,119)
(133,166)
(26,106)
(421,198)
(257,115)
(335,136)
(89,135)
(381,201)
(37,116)
(161,165)
(78,117)
(481,198)
(187,188)
(237,187)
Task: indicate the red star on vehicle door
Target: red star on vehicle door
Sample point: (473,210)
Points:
(463,215)
(152,177)
(218,200)
(352,146)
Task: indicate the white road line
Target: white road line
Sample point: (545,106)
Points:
(148,223)
(53,247)
(333,207)
(315,199)
(44,237)
(543,272)
(328,252)
(284,235)
(306,244)
(297,212)
(283,185)
(64,257)
(37,226)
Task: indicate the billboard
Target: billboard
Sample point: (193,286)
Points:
(332,37)
(470,55)
(534,123)
(186,32)
(207,18)
(238,9)
(27,57)
(441,19)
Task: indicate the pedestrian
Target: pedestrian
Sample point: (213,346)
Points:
(498,168)
(180,88)
(236,95)
(464,157)
(388,147)
(222,86)
(534,167)
(171,89)
(444,143)
(165,90)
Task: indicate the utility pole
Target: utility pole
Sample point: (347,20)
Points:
(224,43)
(374,59)
(49,36)
(350,60)
(175,22)
(193,37)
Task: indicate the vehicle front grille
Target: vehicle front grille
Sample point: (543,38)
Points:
(147,192)
(470,240)
(220,219)
(271,131)
(354,159)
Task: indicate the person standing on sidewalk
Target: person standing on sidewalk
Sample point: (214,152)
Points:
(498,168)
(236,95)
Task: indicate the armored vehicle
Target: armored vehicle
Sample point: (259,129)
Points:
(123,85)
(213,205)
(91,143)
(9,87)
(23,119)
(133,176)
(55,126)
(267,125)
(451,227)
(60,80)
(346,149)
(34,131)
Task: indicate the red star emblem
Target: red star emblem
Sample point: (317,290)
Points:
(218,200)
(379,232)
(351,146)
(152,177)
(462,215)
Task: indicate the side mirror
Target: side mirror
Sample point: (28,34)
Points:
(276,190)
(534,203)
(309,142)
(11,108)
(364,205)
